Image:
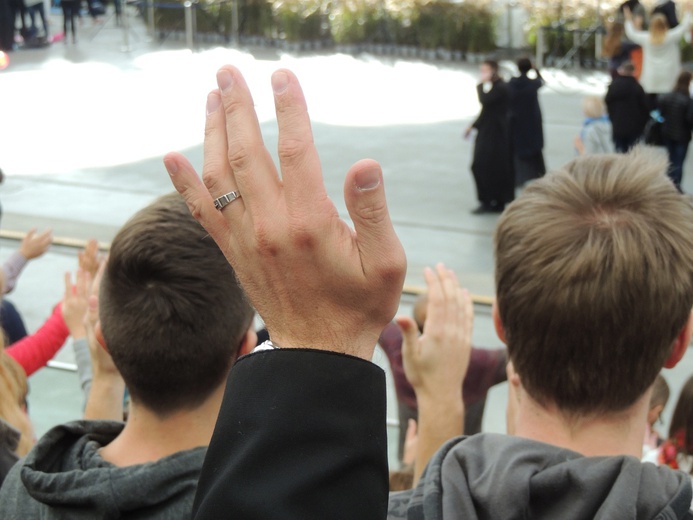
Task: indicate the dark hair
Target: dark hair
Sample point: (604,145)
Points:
(682,420)
(683,83)
(524,65)
(172,313)
(594,277)
(493,64)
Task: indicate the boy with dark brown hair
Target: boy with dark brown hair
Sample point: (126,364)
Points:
(174,320)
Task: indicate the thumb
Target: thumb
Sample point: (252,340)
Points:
(364,194)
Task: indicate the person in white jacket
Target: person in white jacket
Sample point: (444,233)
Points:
(661,53)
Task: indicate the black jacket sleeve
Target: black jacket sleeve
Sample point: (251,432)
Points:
(301,435)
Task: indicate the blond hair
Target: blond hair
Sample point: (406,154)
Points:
(594,277)
(593,106)
(658,29)
(13,392)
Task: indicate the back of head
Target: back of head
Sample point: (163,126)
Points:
(594,277)
(682,420)
(626,68)
(658,28)
(524,65)
(683,83)
(593,106)
(660,392)
(172,314)
(613,41)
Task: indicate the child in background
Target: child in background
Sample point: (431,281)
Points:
(595,136)
(677,451)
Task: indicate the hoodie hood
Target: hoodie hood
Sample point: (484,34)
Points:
(67,478)
(491,476)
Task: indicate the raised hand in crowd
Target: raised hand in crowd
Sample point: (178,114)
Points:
(36,244)
(316,283)
(89,259)
(75,302)
(436,361)
(105,399)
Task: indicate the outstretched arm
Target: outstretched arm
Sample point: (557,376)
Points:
(318,285)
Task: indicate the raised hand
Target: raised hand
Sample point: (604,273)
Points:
(436,362)
(75,301)
(34,245)
(315,282)
(89,258)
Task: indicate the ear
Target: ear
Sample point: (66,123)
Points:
(99,336)
(249,342)
(497,322)
(680,344)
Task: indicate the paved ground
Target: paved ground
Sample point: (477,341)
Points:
(84,128)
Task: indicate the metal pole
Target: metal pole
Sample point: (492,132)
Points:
(152,22)
(188,24)
(234,23)
(539,61)
(126,28)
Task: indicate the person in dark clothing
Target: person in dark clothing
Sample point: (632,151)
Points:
(668,9)
(527,132)
(6,26)
(18,8)
(492,163)
(627,105)
(677,110)
(70,12)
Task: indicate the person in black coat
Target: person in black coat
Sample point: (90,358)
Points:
(677,110)
(628,108)
(668,9)
(527,133)
(491,165)
(6,26)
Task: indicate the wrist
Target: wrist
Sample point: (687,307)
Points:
(77,332)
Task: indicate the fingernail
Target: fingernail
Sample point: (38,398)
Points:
(367,179)
(280,81)
(213,102)
(224,80)
(171,167)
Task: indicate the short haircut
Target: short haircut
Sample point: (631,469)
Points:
(682,420)
(172,313)
(493,64)
(524,65)
(593,106)
(594,278)
(660,392)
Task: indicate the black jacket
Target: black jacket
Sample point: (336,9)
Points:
(677,110)
(627,105)
(525,115)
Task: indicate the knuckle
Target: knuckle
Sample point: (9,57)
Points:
(265,241)
(240,156)
(291,150)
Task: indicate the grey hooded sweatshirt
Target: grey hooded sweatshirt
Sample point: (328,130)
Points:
(493,476)
(64,477)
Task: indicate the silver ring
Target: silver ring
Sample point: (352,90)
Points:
(225,200)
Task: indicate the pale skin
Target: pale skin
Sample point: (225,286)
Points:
(436,362)
(285,233)
(618,433)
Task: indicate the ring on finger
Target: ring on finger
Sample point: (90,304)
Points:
(226,199)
